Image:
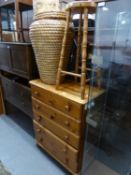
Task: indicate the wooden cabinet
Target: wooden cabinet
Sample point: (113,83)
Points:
(59,121)
(5,57)
(17,62)
(17,94)
(18,59)
(17,6)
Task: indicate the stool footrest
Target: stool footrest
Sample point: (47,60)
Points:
(71,73)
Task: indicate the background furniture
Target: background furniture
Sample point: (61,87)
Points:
(17,66)
(17,6)
(17,62)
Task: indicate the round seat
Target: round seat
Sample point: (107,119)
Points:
(79,6)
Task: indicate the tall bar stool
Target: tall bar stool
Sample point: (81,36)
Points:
(83,8)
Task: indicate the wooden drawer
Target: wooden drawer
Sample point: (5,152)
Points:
(17,94)
(57,116)
(61,103)
(57,148)
(59,131)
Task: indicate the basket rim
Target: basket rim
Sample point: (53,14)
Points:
(50,15)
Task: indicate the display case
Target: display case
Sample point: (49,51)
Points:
(13,10)
(17,61)
(109,117)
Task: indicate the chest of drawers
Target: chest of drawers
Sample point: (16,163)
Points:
(59,122)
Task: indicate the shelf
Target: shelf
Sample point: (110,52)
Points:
(19,6)
(10,4)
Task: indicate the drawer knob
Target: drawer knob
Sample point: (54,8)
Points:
(51,102)
(65,150)
(66,160)
(38,118)
(67,123)
(52,117)
(66,138)
(40,139)
(38,130)
(37,107)
(67,108)
(36,93)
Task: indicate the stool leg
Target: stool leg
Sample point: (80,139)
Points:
(63,50)
(84,53)
(78,46)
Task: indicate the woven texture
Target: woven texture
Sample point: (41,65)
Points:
(41,6)
(51,14)
(46,34)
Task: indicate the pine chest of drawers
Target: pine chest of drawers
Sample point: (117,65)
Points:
(59,122)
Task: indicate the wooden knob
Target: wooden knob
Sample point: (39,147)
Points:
(66,138)
(36,93)
(66,160)
(38,130)
(65,150)
(40,139)
(67,123)
(37,107)
(67,108)
(52,117)
(51,102)
(38,118)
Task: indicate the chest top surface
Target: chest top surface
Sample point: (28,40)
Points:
(69,91)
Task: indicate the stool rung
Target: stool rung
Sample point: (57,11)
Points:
(90,79)
(90,69)
(70,73)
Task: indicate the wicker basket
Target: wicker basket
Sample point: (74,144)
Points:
(40,6)
(46,34)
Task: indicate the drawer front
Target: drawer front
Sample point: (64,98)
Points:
(67,106)
(63,152)
(19,60)
(18,95)
(57,116)
(59,131)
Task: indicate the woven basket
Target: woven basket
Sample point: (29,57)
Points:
(40,6)
(46,34)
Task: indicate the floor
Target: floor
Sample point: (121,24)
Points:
(21,156)
(97,168)
(19,153)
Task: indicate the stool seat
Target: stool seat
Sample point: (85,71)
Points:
(78,6)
